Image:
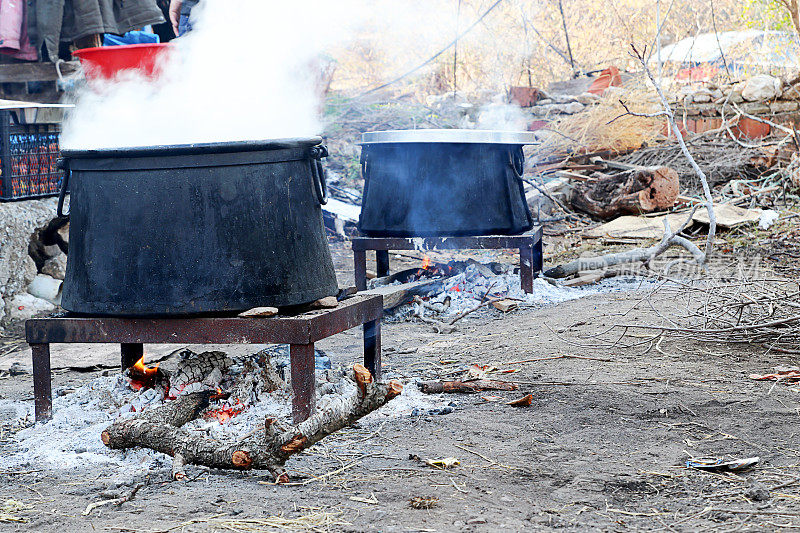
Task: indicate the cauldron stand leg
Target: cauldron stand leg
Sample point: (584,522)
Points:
(131,353)
(360,267)
(527,267)
(301,361)
(382,262)
(372,348)
(42,391)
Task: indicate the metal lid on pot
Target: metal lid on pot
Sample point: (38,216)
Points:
(456,136)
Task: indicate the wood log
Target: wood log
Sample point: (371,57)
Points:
(269,448)
(635,255)
(396,295)
(477,385)
(629,192)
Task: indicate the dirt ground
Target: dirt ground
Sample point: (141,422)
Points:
(602,447)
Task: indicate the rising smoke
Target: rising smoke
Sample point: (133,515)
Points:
(250,70)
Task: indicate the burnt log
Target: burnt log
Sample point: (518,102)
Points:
(632,192)
(477,385)
(269,448)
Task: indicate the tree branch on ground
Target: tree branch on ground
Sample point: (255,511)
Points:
(709,201)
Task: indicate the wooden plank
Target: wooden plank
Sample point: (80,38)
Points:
(25,72)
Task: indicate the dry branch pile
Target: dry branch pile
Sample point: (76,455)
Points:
(721,159)
(600,128)
(762,312)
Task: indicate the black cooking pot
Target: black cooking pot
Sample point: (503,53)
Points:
(443,182)
(192,229)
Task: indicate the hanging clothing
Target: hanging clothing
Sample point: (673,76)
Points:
(14,39)
(67,20)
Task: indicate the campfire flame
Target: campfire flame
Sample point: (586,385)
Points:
(142,377)
(426,262)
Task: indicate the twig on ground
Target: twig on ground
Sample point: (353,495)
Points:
(113,501)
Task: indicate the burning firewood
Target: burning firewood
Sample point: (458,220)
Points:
(269,448)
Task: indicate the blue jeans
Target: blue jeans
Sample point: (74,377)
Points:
(184,25)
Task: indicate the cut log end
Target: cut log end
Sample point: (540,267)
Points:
(105,437)
(294,445)
(393,389)
(241,459)
(362,376)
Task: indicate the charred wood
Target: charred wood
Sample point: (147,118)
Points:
(160,429)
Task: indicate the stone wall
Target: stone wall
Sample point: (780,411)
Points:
(19,224)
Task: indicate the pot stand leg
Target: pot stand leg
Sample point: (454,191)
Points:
(538,257)
(131,352)
(301,361)
(372,348)
(526,268)
(42,392)
(382,260)
(360,264)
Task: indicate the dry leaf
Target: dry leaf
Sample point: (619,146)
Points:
(525,401)
(371,500)
(424,502)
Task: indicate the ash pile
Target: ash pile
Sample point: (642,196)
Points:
(210,409)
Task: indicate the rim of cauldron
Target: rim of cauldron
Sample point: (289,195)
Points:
(195,148)
(449,136)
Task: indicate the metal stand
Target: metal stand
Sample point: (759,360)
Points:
(299,332)
(529,245)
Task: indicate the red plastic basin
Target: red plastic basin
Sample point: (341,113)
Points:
(105,62)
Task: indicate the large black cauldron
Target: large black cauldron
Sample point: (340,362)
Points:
(193,229)
(443,182)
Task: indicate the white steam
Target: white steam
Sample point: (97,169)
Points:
(499,115)
(249,70)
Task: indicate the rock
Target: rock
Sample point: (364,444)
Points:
(46,288)
(702,96)
(753,108)
(18,222)
(263,312)
(63,232)
(736,97)
(757,492)
(571,108)
(56,267)
(762,87)
(24,306)
(328,302)
(587,98)
(783,106)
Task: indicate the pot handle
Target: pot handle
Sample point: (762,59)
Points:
(318,173)
(516,159)
(64,165)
